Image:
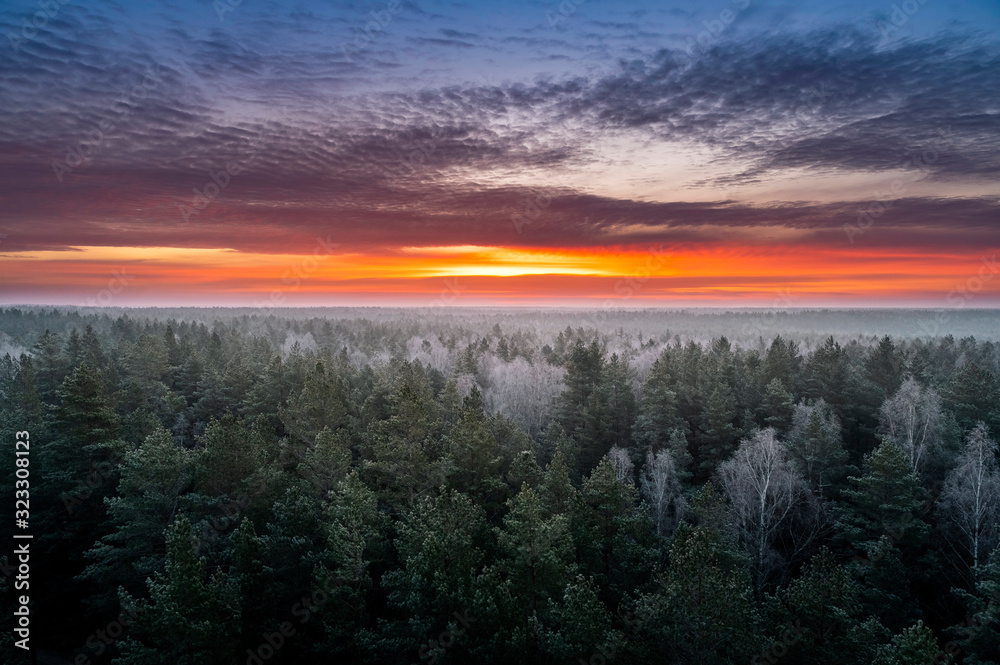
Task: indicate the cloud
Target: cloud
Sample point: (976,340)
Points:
(395,164)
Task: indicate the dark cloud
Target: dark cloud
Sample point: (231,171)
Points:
(825,99)
(415,167)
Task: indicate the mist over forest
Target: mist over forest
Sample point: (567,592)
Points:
(459,485)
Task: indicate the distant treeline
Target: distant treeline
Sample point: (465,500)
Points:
(211,486)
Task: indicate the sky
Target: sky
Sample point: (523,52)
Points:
(584,153)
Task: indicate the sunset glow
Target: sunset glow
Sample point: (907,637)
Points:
(617,154)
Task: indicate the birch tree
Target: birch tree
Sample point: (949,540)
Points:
(970,501)
(765,491)
(622,461)
(912,420)
(660,486)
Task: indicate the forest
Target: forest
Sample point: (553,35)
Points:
(216,487)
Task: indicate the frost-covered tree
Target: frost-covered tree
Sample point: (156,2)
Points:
(912,419)
(620,459)
(970,502)
(765,490)
(661,487)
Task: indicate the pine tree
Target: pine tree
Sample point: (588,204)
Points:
(191,618)
(328,462)
(914,646)
(616,389)
(537,550)
(884,366)
(972,395)
(777,406)
(354,530)
(476,457)
(323,402)
(153,480)
(978,636)
(886,500)
(718,436)
(50,366)
(820,616)
(582,411)
(440,545)
(701,611)
(657,417)
(815,445)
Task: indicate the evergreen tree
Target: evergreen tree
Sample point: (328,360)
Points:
(657,416)
(700,611)
(815,445)
(50,366)
(440,545)
(978,636)
(777,406)
(537,550)
(718,435)
(824,614)
(355,542)
(886,500)
(884,367)
(914,646)
(191,618)
(323,402)
(972,395)
(153,480)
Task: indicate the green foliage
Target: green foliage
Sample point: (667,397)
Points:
(914,646)
(701,610)
(151,489)
(978,635)
(346,487)
(191,618)
(886,500)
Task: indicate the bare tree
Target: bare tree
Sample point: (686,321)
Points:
(661,487)
(912,420)
(622,461)
(765,491)
(970,501)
